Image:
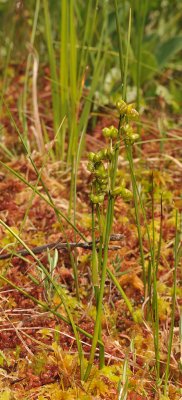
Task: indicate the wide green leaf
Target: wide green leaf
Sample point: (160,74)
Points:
(167,50)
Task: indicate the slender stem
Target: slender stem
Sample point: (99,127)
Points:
(173,305)
(53,69)
(99,216)
(141,17)
(160,236)
(155,294)
(101,294)
(121,291)
(119,40)
(101,348)
(149,290)
(127,56)
(137,215)
(94,259)
(25,89)
(109,221)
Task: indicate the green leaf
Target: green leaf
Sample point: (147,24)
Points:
(149,67)
(167,50)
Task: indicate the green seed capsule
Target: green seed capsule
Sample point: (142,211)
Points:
(123,192)
(121,106)
(131,112)
(100,175)
(96,199)
(110,132)
(91,156)
(103,187)
(108,153)
(127,130)
(126,194)
(127,109)
(129,135)
(114,132)
(102,181)
(99,156)
(102,184)
(133,138)
(106,132)
(117,191)
(100,171)
(90,167)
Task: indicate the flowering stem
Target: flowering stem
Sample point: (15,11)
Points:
(109,221)
(101,293)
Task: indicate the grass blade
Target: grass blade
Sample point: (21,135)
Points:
(176,259)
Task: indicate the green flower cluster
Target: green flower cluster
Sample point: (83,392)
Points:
(127,109)
(129,135)
(99,171)
(110,132)
(101,163)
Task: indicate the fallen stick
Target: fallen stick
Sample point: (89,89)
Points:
(60,246)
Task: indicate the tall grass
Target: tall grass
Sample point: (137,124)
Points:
(68,85)
(70,81)
(53,70)
(171,333)
(155,312)
(128,148)
(151,289)
(140,10)
(27,71)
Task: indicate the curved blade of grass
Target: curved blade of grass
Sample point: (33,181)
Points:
(6,151)
(74,266)
(46,307)
(57,288)
(61,225)
(22,179)
(121,291)
(32,196)
(60,222)
(25,217)
(49,200)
